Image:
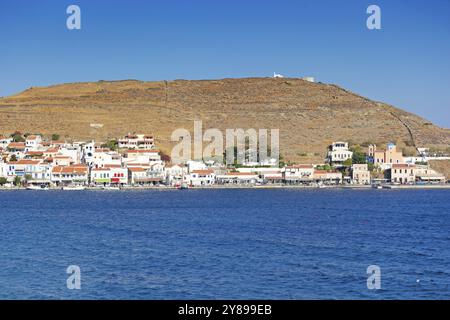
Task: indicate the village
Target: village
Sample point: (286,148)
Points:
(30,161)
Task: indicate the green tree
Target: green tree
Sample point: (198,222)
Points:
(28,177)
(348,163)
(111,144)
(13,158)
(359,157)
(3,181)
(55,137)
(325,167)
(18,138)
(17,181)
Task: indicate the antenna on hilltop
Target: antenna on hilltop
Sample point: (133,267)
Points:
(277,75)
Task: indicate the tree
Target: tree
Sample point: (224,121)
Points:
(17,181)
(13,158)
(3,181)
(55,137)
(18,138)
(326,167)
(28,177)
(111,144)
(359,157)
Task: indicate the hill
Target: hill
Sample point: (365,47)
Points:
(309,115)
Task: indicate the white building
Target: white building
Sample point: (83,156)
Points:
(66,175)
(174,174)
(118,175)
(33,142)
(298,173)
(106,158)
(238,178)
(4,142)
(200,178)
(137,141)
(427,175)
(142,156)
(87,152)
(195,165)
(338,153)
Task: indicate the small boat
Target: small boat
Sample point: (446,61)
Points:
(74,188)
(37,187)
(111,188)
(183,186)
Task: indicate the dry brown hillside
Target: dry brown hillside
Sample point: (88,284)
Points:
(309,115)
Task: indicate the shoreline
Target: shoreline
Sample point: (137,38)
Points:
(221,187)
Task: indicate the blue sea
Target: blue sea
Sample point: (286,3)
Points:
(225,244)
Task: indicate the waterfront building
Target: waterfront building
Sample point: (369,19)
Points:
(200,178)
(174,174)
(67,175)
(402,173)
(424,174)
(118,175)
(136,175)
(101,176)
(360,174)
(238,178)
(327,177)
(298,173)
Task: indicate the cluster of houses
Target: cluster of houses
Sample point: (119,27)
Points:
(396,168)
(136,162)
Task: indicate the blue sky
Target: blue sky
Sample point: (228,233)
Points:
(405,64)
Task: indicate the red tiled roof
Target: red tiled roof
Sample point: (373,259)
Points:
(300,166)
(402,165)
(34,153)
(112,166)
(77,169)
(142,151)
(203,171)
(27,162)
(100,169)
(236,173)
(52,150)
(16,145)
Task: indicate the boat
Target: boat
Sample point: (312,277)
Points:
(37,187)
(183,186)
(111,188)
(74,188)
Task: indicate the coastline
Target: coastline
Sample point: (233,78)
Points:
(222,187)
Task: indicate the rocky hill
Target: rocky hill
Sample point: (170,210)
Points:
(309,115)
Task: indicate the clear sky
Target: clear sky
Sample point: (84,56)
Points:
(406,63)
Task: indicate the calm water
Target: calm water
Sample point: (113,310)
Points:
(226,244)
